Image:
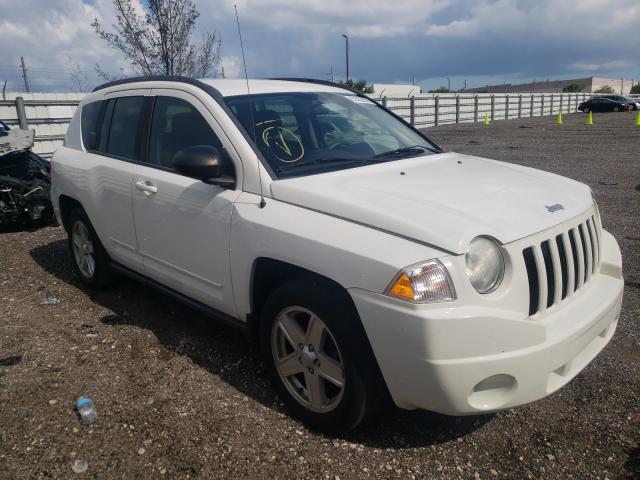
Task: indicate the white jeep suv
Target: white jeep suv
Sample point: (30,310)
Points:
(368,262)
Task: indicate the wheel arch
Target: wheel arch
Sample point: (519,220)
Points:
(268,274)
(67,205)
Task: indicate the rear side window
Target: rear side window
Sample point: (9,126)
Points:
(176,125)
(89,124)
(123,131)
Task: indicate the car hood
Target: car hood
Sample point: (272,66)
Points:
(442,200)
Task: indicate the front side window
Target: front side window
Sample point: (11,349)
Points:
(315,132)
(89,124)
(123,132)
(177,124)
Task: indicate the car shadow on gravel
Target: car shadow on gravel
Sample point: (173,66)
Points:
(227,354)
(632,465)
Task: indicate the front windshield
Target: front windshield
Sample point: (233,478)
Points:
(315,132)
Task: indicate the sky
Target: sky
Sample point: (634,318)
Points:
(399,41)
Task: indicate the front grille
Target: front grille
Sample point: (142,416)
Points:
(560,266)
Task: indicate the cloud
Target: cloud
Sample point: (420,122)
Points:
(390,41)
(46,34)
(367,18)
(597,67)
(232,66)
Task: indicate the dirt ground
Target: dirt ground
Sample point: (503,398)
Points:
(181,397)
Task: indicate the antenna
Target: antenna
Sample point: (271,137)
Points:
(253,122)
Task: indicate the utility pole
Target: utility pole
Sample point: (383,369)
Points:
(346,38)
(223,73)
(465,83)
(449,83)
(24,75)
(4,89)
(330,74)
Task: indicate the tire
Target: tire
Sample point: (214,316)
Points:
(89,258)
(340,351)
(585,109)
(616,109)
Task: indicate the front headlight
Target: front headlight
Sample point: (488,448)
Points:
(485,264)
(423,283)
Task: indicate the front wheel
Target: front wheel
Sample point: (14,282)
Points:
(319,358)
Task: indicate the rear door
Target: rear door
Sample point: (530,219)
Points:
(113,159)
(182,224)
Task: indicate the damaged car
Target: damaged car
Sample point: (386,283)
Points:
(24,181)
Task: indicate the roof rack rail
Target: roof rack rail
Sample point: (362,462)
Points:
(151,78)
(315,80)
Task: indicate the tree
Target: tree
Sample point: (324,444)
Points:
(573,87)
(159,40)
(78,77)
(604,89)
(635,89)
(359,85)
(440,89)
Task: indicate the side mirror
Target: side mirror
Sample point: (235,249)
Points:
(203,162)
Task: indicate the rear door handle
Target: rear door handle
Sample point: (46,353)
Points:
(146,186)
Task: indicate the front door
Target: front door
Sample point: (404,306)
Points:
(183,224)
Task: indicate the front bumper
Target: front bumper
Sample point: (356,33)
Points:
(459,360)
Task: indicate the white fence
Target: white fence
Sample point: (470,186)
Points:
(50,113)
(428,110)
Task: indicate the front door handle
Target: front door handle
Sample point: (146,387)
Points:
(146,187)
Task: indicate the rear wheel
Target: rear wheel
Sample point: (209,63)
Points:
(585,109)
(319,357)
(90,260)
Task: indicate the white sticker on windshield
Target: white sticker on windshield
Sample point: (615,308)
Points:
(361,100)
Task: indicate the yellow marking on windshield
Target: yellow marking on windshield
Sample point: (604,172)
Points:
(284,145)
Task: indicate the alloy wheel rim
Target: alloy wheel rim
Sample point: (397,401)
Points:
(308,359)
(83,250)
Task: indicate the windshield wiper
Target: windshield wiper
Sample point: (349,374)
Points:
(401,152)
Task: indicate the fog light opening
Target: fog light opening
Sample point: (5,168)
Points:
(493,392)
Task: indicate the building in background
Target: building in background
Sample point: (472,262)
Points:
(587,85)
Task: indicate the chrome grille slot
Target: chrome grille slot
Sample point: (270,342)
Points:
(559,266)
(548,266)
(532,275)
(564,269)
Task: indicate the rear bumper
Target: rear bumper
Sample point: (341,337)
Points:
(511,361)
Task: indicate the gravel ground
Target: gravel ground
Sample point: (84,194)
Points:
(180,397)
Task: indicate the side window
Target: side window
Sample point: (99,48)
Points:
(176,124)
(89,124)
(124,127)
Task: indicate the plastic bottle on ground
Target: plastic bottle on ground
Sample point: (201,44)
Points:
(86,410)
